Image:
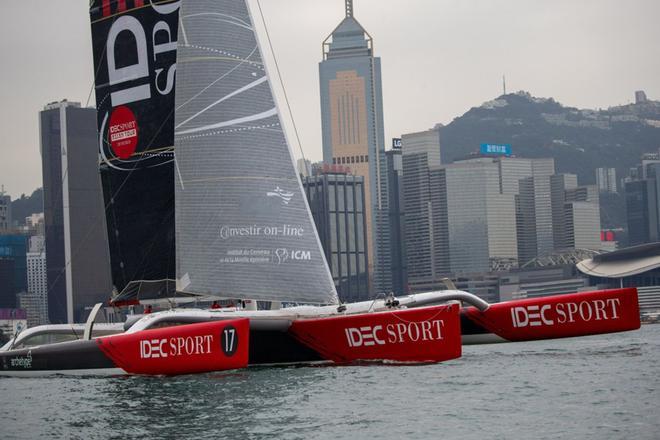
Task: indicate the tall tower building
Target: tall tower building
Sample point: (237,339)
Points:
(77,259)
(35,300)
(5,212)
(606,179)
(397,221)
(481,218)
(425,206)
(352,123)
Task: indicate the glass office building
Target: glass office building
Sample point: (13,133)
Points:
(337,202)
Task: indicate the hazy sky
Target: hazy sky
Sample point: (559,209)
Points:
(439,58)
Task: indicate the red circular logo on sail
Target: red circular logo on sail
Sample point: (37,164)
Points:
(123,132)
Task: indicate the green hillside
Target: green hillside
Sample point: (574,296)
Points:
(580,140)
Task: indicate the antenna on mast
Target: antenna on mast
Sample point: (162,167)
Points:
(349,8)
(504,84)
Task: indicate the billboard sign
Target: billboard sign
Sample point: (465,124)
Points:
(396,143)
(496,149)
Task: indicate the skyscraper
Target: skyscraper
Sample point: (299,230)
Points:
(397,221)
(582,220)
(425,206)
(481,218)
(643,205)
(424,142)
(5,212)
(35,300)
(606,179)
(353,135)
(14,247)
(304,167)
(77,260)
(336,200)
(7,289)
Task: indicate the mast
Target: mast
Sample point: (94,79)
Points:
(349,8)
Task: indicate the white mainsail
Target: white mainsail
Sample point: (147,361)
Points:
(243,227)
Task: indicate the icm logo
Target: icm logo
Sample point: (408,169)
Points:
(532,316)
(301,255)
(282,255)
(152,348)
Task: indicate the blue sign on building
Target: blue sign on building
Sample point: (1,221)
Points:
(498,149)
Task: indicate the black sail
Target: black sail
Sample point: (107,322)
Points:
(134,48)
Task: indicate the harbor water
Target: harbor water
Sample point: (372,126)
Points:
(598,387)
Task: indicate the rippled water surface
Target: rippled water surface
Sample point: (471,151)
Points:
(599,387)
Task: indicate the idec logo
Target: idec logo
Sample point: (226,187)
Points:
(364,336)
(394,333)
(176,346)
(565,312)
(533,316)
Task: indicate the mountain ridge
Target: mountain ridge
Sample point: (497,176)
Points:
(580,140)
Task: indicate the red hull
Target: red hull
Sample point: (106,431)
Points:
(186,349)
(429,334)
(561,316)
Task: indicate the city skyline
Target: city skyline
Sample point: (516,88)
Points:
(475,42)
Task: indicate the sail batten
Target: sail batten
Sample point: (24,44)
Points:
(243,227)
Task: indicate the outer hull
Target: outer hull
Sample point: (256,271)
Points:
(552,317)
(194,348)
(71,358)
(85,358)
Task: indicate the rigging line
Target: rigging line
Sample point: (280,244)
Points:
(137,154)
(279,75)
(96,74)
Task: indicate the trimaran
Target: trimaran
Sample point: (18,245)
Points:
(239,225)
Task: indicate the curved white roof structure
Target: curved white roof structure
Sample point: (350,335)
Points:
(623,263)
